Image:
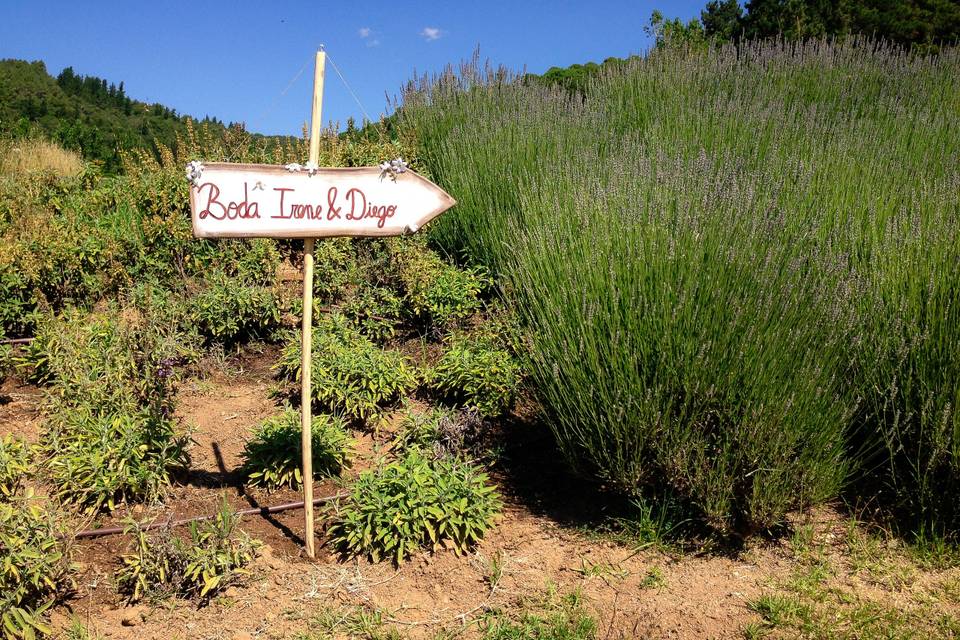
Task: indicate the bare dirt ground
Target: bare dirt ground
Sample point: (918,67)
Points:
(542,542)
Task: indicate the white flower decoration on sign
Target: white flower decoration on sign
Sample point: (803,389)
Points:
(194,171)
(393,168)
(311,167)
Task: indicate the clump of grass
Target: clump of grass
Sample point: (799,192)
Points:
(719,300)
(554,616)
(39,156)
(350,621)
(932,549)
(657,522)
(272,458)
(816,610)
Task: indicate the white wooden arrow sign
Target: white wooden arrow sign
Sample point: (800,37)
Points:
(258,200)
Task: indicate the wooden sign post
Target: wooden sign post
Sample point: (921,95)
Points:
(306,201)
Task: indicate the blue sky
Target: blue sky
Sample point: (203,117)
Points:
(233,60)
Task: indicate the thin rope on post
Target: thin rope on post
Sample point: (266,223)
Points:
(276,100)
(350,89)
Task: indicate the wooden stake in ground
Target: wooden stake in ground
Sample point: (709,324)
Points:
(307,330)
(229,200)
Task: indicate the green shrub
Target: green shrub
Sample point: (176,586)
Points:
(413,504)
(15,467)
(227,310)
(17,303)
(440,431)
(33,360)
(162,565)
(437,294)
(272,458)
(334,267)
(109,434)
(165,307)
(352,376)
(93,240)
(34,569)
(375,311)
(252,262)
(475,374)
(113,360)
(99,459)
(423,428)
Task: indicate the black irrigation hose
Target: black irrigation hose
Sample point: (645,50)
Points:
(263,511)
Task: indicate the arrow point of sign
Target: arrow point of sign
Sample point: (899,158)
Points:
(446,201)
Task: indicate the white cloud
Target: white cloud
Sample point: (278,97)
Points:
(366,33)
(431,33)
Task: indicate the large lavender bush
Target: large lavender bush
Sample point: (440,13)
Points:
(739,268)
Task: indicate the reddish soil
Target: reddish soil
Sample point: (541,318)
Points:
(541,539)
(20,409)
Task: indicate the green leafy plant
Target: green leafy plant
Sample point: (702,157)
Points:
(272,458)
(375,311)
(101,459)
(437,293)
(211,559)
(7,365)
(423,428)
(109,434)
(17,304)
(412,504)
(34,568)
(15,467)
(118,359)
(227,310)
(352,376)
(335,265)
(474,373)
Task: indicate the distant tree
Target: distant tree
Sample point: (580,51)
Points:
(796,19)
(672,32)
(722,20)
(922,24)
